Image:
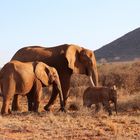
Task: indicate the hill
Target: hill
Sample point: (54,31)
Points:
(125,48)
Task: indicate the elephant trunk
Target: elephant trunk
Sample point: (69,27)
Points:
(60,94)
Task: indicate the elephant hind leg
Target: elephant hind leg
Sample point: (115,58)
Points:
(8,92)
(6,103)
(15,103)
(5,106)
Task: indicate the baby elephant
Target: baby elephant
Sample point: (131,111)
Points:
(26,79)
(96,95)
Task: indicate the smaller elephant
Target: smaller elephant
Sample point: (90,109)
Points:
(18,78)
(96,95)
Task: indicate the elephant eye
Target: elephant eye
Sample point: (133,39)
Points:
(84,53)
(90,55)
(55,75)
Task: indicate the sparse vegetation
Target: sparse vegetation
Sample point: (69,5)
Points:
(79,122)
(124,75)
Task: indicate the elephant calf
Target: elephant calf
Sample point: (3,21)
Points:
(96,95)
(18,78)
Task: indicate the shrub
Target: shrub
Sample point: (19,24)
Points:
(124,75)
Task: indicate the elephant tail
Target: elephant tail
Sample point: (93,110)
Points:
(0,90)
(0,74)
(0,82)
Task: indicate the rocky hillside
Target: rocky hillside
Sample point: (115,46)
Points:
(125,48)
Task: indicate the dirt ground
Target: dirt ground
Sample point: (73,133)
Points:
(83,124)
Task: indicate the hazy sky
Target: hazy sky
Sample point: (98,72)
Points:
(89,23)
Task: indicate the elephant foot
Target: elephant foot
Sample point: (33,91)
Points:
(16,109)
(30,108)
(9,111)
(35,110)
(63,109)
(6,113)
(110,113)
(46,108)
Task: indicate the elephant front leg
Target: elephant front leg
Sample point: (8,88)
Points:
(62,107)
(107,106)
(15,103)
(65,84)
(98,107)
(30,101)
(30,98)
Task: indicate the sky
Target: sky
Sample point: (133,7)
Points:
(87,23)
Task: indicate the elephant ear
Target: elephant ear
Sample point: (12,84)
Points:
(72,56)
(41,72)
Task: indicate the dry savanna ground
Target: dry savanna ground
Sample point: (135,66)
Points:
(79,122)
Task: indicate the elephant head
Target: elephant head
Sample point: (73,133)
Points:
(82,61)
(113,96)
(48,75)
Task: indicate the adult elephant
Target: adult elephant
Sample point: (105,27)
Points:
(66,58)
(21,78)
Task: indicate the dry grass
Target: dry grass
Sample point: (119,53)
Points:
(82,124)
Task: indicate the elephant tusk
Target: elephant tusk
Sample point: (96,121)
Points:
(92,81)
